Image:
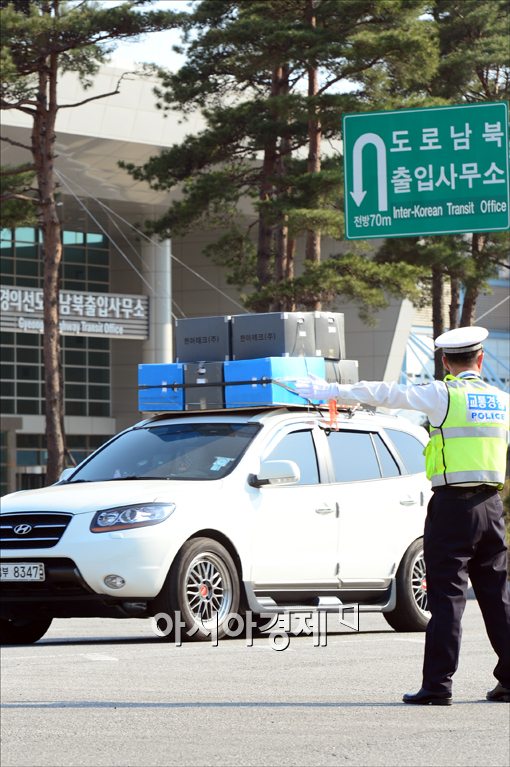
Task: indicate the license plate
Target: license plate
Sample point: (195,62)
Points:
(22,571)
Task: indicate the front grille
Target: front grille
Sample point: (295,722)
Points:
(32,530)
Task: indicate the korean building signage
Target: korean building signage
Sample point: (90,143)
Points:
(109,315)
(438,170)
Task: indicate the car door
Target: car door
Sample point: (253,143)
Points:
(295,528)
(373,498)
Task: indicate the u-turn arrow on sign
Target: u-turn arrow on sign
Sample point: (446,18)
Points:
(438,170)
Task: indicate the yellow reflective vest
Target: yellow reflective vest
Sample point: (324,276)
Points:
(470,446)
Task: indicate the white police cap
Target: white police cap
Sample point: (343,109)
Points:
(461,340)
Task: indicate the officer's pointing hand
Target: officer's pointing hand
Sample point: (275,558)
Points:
(313,387)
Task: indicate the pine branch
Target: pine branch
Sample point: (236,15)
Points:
(18,105)
(101,96)
(17,170)
(17,196)
(15,143)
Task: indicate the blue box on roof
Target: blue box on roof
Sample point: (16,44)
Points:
(253,382)
(156,384)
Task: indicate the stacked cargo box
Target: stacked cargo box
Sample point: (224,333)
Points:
(246,360)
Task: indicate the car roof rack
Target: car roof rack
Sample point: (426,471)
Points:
(321,410)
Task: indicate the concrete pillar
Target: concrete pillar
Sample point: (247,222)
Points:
(157,270)
(401,333)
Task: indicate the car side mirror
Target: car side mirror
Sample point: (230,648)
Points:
(276,473)
(66,474)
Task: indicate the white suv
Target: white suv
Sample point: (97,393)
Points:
(212,515)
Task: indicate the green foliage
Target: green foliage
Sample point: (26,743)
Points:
(474,49)
(247,69)
(18,203)
(40,39)
(235,251)
(451,252)
(473,65)
(80,35)
(349,274)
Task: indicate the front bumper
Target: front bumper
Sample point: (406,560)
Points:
(64,594)
(81,560)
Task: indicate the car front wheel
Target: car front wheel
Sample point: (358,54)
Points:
(23,630)
(204,589)
(410,613)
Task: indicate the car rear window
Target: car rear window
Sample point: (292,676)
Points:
(170,451)
(409,449)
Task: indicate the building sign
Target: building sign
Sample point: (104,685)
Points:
(109,315)
(438,170)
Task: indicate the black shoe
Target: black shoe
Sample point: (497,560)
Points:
(499,694)
(426,698)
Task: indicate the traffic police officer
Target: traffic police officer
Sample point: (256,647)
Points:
(464,535)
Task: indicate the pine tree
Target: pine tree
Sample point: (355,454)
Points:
(474,66)
(39,40)
(266,76)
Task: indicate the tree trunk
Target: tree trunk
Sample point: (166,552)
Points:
(454,302)
(472,289)
(313,237)
(266,190)
(282,234)
(437,317)
(291,260)
(282,238)
(43,139)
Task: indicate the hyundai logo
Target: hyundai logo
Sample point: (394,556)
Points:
(22,529)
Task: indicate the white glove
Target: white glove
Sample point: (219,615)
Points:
(314,387)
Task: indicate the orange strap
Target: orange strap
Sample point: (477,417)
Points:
(333,413)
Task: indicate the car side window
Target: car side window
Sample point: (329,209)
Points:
(410,450)
(353,455)
(298,446)
(389,466)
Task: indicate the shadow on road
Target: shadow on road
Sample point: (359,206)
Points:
(215,704)
(103,641)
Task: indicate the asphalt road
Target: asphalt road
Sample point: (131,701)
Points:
(107,693)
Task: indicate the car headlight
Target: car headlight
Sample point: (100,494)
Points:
(127,517)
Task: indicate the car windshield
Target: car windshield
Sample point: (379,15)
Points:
(170,451)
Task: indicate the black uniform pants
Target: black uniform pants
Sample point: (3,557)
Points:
(464,537)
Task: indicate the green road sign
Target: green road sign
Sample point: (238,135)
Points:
(439,170)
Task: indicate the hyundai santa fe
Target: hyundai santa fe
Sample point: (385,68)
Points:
(217,514)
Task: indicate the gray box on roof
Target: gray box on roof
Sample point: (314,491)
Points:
(273,334)
(204,339)
(329,335)
(203,386)
(342,371)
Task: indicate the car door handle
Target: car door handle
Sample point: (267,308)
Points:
(324,510)
(408,502)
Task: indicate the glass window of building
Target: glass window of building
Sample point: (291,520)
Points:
(84,259)
(86,360)
(31,456)
(86,369)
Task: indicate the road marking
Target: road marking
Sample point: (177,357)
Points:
(67,656)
